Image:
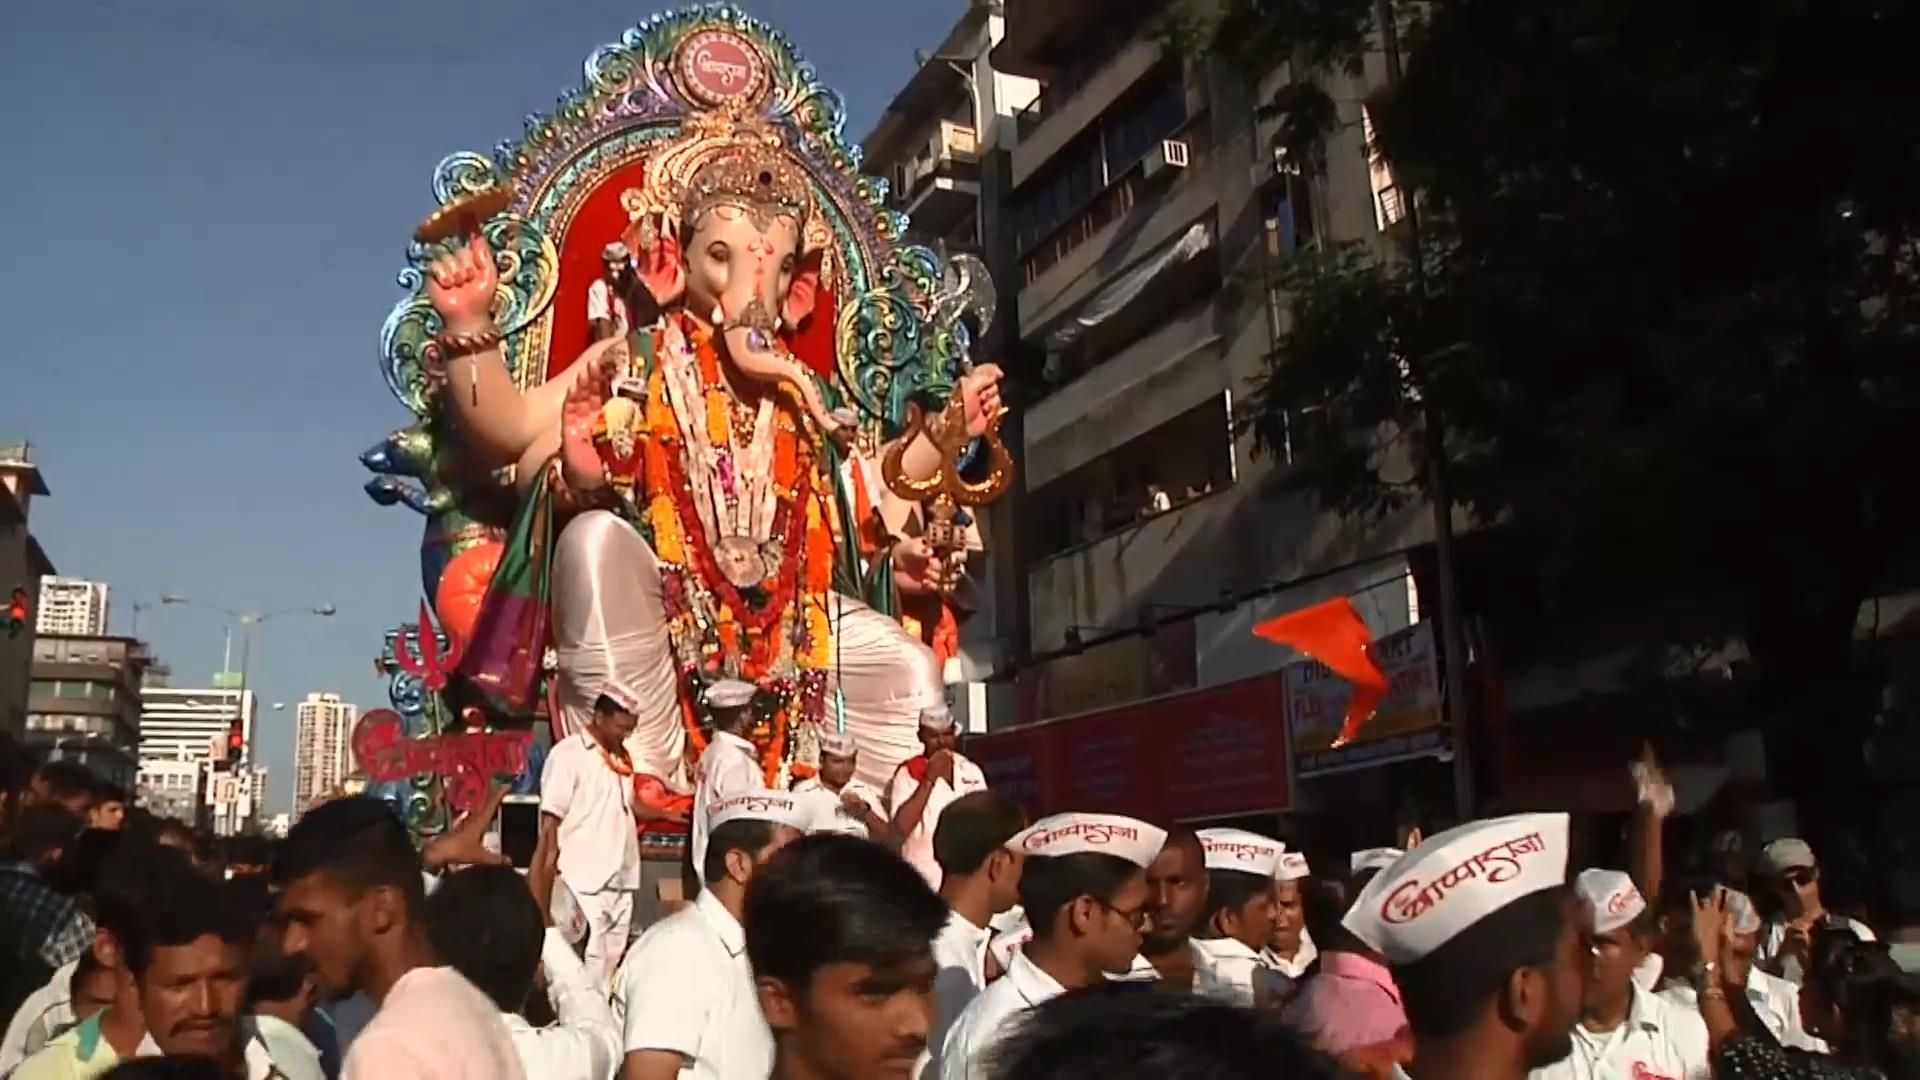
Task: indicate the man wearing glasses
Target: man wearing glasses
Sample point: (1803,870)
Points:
(1084,888)
(1794,876)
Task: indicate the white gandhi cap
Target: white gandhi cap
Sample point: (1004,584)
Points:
(1292,866)
(774,807)
(728,694)
(939,718)
(1375,858)
(837,743)
(1097,834)
(1453,880)
(1611,898)
(1238,849)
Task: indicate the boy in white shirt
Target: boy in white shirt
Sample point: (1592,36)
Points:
(685,995)
(922,786)
(1239,923)
(1084,888)
(980,878)
(853,807)
(1625,1030)
(486,923)
(729,766)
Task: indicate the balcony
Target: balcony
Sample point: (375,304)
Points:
(940,184)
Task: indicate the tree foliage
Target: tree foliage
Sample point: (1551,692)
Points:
(1667,305)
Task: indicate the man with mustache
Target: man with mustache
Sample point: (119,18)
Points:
(840,934)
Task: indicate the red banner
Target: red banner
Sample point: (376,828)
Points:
(1210,753)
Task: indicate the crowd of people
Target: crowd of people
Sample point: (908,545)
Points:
(928,929)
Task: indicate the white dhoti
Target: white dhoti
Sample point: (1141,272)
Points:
(610,622)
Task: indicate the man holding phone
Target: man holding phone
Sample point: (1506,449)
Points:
(588,836)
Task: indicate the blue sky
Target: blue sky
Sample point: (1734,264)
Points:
(206,202)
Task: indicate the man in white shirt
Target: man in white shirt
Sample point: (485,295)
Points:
(588,836)
(1239,923)
(1793,874)
(1291,949)
(1487,946)
(685,994)
(838,932)
(980,878)
(352,896)
(1084,887)
(486,922)
(607,313)
(853,807)
(730,765)
(1625,1031)
(923,786)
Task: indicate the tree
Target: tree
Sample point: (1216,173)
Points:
(1665,306)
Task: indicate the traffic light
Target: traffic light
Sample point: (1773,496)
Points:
(236,741)
(17,612)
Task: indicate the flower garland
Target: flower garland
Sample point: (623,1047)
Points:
(776,634)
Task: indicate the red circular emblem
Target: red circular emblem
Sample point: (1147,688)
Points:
(718,67)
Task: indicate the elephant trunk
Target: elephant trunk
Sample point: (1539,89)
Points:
(752,353)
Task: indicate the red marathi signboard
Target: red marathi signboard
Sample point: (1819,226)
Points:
(1217,752)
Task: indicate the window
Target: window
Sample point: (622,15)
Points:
(1389,205)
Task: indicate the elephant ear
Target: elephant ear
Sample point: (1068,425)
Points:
(658,265)
(804,293)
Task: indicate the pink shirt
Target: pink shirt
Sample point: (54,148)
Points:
(1352,1003)
(434,1026)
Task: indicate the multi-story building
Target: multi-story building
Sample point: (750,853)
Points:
(943,145)
(321,754)
(23,562)
(1142,199)
(183,730)
(71,606)
(85,702)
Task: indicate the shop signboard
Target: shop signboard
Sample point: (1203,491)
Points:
(1408,722)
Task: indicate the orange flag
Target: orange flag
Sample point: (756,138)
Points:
(1333,633)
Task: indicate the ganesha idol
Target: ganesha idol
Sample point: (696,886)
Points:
(757,475)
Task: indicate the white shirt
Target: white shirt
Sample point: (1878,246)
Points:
(1660,1040)
(603,304)
(45,1013)
(960,955)
(1774,1000)
(1224,967)
(583,1043)
(686,988)
(727,768)
(1293,968)
(433,1025)
(917,846)
(834,818)
(1776,935)
(981,1024)
(599,842)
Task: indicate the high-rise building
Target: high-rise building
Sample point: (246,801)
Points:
(72,606)
(321,759)
(22,564)
(182,730)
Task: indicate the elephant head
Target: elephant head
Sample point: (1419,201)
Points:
(736,259)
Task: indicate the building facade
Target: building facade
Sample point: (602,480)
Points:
(23,562)
(183,730)
(943,145)
(321,754)
(1136,218)
(71,606)
(85,702)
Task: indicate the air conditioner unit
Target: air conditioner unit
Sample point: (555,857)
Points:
(1172,154)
